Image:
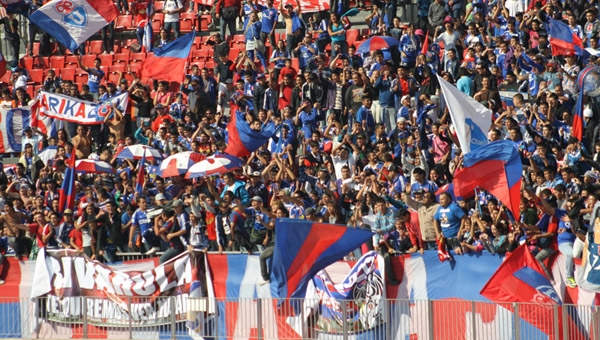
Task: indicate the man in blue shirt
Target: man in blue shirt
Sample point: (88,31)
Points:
(141,224)
(447,220)
(306,51)
(269,22)
(364,116)
(95,75)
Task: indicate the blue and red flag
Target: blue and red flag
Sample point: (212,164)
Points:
(242,140)
(303,248)
(495,167)
(578,126)
(168,62)
(564,41)
(67,190)
(520,278)
(72,22)
(139,181)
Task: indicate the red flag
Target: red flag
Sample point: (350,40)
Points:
(168,61)
(425,47)
(2,65)
(67,190)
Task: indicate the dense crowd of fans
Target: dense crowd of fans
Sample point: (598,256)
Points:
(362,139)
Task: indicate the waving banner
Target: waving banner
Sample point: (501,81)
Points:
(79,111)
(72,22)
(117,298)
(12,123)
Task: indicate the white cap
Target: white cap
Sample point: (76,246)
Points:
(405,97)
(588,113)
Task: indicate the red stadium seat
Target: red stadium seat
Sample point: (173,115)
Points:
(112,77)
(124,22)
(36,76)
(57,62)
(71,62)
(67,74)
(27,62)
(134,68)
(81,78)
(41,62)
(106,59)
(35,51)
(30,90)
(158,5)
(117,68)
(95,47)
(88,60)
(187,22)
(137,57)
(157,22)
(205,20)
(352,35)
(121,58)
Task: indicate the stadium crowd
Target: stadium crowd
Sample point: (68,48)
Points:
(361,139)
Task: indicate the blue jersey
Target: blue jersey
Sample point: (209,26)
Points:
(141,220)
(449,218)
(269,19)
(94,80)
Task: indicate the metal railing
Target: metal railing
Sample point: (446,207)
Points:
(178,317)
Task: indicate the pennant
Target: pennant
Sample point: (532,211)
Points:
(72,22)
(425,47)
(496,168)
(242,140)
(139,181)
(303,248)
(477,119)
(168,62)
(67,190)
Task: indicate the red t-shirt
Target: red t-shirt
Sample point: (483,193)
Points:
(141,18)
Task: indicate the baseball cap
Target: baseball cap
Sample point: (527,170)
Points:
(257,199)
(159,106)
(401,120)
(310,211)
(591,174)
(588,113)
(256,174)
(177,203)
(68,212)
(160,197)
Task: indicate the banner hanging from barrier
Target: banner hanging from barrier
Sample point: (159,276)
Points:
(79,111)
(74,285)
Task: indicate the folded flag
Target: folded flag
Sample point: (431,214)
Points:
(67,189)
(72,22)
(303,248)
(443,254)
(168,62)
(22,7)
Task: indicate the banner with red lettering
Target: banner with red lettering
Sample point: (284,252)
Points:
(79,111)
(74,285)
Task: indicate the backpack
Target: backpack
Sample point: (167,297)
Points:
(229,13)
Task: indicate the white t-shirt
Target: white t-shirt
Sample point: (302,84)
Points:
(171,5)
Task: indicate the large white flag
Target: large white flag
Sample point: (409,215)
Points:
(471,119)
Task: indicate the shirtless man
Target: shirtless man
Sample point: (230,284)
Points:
(82,143)
(16,238)
(116,123)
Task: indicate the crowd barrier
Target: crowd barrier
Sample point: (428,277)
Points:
(402,319)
